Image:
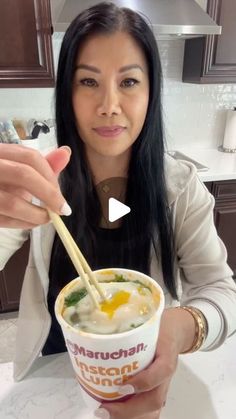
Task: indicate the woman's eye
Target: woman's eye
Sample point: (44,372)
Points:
(129,82)
(88,82)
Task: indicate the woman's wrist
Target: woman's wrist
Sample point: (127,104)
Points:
(183,327)
(201,328)
(189,327)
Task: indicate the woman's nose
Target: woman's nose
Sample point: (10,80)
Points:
(109,103)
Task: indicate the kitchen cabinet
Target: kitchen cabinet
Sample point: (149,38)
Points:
(212,59)
(26,56)
(224,193)
(11,279)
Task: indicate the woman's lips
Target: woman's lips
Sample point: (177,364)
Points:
(109,131)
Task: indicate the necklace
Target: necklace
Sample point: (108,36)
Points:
(111,188)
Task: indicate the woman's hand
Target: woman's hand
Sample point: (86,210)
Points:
(150,386)
(25,173)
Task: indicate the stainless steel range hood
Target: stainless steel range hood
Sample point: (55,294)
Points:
(169,18)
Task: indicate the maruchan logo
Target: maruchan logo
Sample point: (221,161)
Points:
(120,353)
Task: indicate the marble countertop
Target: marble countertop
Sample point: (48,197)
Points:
(222,166)
(204,387)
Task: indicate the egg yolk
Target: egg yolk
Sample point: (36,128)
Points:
(118,299)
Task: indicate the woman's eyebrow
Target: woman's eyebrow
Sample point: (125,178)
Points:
(96,70)
(130,67)
(87,67)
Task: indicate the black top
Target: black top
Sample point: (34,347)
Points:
(112,247)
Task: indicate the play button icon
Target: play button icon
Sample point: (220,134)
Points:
(116,209)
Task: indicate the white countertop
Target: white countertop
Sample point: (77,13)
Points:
(204,387)
(222,166)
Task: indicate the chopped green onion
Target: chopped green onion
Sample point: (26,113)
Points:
(120,278)
(135,325)
(75,297)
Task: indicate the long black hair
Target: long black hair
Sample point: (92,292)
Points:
(147,195)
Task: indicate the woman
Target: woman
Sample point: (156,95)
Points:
(108,111)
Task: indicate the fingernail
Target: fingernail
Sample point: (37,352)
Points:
(102,413)
(66,147)
(65,209)
(126,389)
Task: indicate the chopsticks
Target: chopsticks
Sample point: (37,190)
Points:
(77,258)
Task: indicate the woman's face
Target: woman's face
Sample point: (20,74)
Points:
(110,93)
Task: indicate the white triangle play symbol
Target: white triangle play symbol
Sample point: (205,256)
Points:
(116,209)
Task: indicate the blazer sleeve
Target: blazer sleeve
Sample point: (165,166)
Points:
(206,278)
(10,241)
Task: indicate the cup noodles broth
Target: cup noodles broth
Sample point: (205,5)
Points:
(129,304)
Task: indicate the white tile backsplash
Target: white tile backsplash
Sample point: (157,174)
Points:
(193,114)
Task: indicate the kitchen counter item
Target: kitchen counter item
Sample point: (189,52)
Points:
(8,133)
(181,156)
(226,150)
(20,129)
(229,142)
(45,143)
(222,166)
(203,387)
(38,127)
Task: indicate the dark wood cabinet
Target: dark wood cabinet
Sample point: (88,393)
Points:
(212,59)
(26,57)
(224,193)
(11,279)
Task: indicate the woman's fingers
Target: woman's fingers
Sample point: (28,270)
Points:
(25,173)
(25,169)
(163,366)
(26,177)
(58,159)
(148,403)
(157,373)
(28,156)
(17,192)
(8,222)
(17,208)
(155,415)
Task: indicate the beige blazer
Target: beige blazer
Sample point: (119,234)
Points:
(202,274)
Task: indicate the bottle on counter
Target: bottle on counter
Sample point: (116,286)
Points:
(8,133)
(229,142)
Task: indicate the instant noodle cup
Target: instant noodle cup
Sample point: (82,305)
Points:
(104,362)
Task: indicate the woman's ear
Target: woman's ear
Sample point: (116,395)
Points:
(59,158)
